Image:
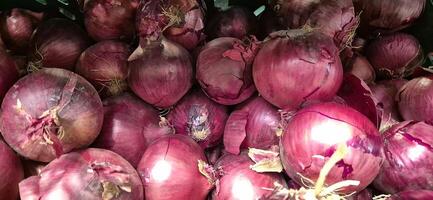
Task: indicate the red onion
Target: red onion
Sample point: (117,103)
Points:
(312,135)
(91,174)
(57,43)
(8,72)
(255,124)
(160,73)
(224,70)
(408,158)
(237,22)
(200,118)
(181,21)
(395,56)
(50,112)
(105,65)
(413,194)
(110,19)
(17,26)
(359,66)
(335,18)
(286,63)
(413,99)
(11,172)
(130,125)
(173,168)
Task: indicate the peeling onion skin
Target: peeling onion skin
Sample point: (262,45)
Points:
(8,72)
(237,22)
(413,194)
(408,155)
(289,60)
(311,136)
(169,170)
(50,112)
(415,99)
(82,175)
(11,171)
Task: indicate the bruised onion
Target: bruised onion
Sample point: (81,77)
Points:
(160,73)
(200,118)
(395,56)
(297,66)
(412,194)
(50,112)
(8,72)
(11,172)
(130,125)
(57,43)
(91,174)
(224,69)
(105,65)
(173,167)
(414,99)
(312,135)
(254,124)
(110,19)
(237,22)
(17,26)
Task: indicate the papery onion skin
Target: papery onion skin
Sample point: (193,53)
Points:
(254,124)
(200,118)
(91,174)
(415,99)
(412,194)
(311,137)
(57,43)
(161,73)
(284,64)
(130,125)
(224,69)
(237,22)
(105,65)
(8,72)
(11,171)
(408,158)
(17,26)
(50,112)
(395,56)
(169,170)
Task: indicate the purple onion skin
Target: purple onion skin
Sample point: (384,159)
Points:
(254,124)
(105,65)
(169,170)
(50,112)
(110,20)
(90,174)
(394,56)
(236,22)
(161,73)
(240,182)
(312,135)
(413,195)
(11,172)
(284,64)
(200,118)
(57,43)
(17,26)
(130,125)
(408,156)
(415,99)
(224,70)
(8,72)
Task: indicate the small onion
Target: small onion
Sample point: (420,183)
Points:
(287,62)
(224,69)
(8,72)
(50,112)
(359,66)
(105,65)
(11,172)
(413,194)
(414,99)
(200,118)
(91,174)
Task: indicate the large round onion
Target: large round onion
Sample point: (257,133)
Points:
(17,26)
(8,72)
(50,112)
(408,158)
(57,43)
(395,56)
(91,174)
(105,65)
(11,172)
(200,118)
(110,19)
(287,62)
(130,125)
(414,99)
(312,135)
(224,70)
(161,73)
(255,124)
(171,168)
(413,194)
